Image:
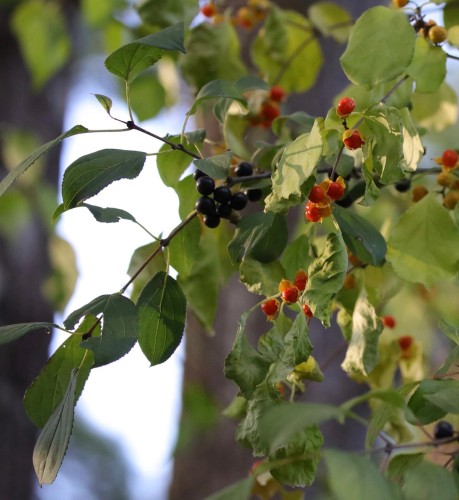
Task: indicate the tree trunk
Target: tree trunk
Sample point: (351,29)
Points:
(24,262)
(214,459)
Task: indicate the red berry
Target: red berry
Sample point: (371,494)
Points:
(335,190)
(270,111)
(405,342)
(208,10)
(389,321)
(316,194)
(449,158)
(301,278)
(277,93)
(352,139)
(307,311)
(270,307)
(290,295)
(345,107)
(312,212)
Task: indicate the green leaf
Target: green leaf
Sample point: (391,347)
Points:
(428,67)
(208,274)
(422,410)
(184,249)
(361,477)
(280,49)
(130,60)
(244,365)
(162,311)
(217,166)
(326,277)
(280,423)
(427,481)
(303,450)
(9,333)
(260,236)
(451,14)
(383,145)
(91,173)
(361,237)
(38,153)
(389,42)
(362,353)
(450,331)
(296,256)
(98,14)
(452,359)
(147,96)
(400,464)
(53,440)
(213,53)
(331,20)
(295,173)
(138,258)
(413,247)
(172,163)
(261,278)
(386,412)
(42,33)
(166,12)
(217,89)
(105,102)
(447,399)
(108,214)
(47,391)
(413,150)
(120,327)
(390,396)
(438,112)
(241,490)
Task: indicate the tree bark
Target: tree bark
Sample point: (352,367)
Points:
(214,459)
(24,262)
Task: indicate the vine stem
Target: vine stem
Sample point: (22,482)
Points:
(162,244)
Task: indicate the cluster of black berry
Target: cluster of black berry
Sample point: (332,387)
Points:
(219,202)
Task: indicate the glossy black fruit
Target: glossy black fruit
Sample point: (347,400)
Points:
(443,430)
(206,206)
(244,169)
(211,220)
(403,185)
(224,210)
(222,194)
(205,185)
(239,200)
(198,173)
(254,194)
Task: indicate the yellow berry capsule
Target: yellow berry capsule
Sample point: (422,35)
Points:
(437,34)
(418,193)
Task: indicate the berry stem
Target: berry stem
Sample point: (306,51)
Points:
(232,181)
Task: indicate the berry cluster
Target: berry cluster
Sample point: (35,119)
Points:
(290,294)
(218,202)
(246,16)
(448,177)
(351,137)
(321,198)
(269,108)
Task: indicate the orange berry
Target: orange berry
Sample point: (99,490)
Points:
(307,311)
(276,93)
(270,308)
(449,158)
(301,278)
(290,295)
(208,10)
(345,107)
(317,194)
(437,34)
(389,321)
(405,344)
(352,139)
(418,193)
(451,200)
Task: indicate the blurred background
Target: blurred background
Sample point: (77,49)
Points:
(127,442)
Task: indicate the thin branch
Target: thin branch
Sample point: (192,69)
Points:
(162,244)
(232,181)
(178,147)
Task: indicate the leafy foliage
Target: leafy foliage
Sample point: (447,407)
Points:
(380,232)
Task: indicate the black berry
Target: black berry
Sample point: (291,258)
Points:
(239,200)
(206,206)
(244,169)
(205,185)
(198,173)
(403,185)
(254,194)
(443,429)
(212,220)
(222,194)
(224,210)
